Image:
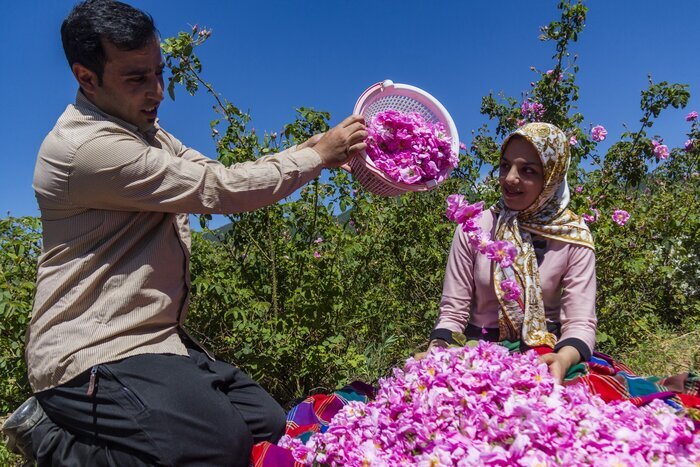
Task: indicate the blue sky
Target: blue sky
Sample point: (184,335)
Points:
(270,57)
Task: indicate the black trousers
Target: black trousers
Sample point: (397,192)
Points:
(157,410)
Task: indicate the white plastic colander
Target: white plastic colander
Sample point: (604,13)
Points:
(405,99)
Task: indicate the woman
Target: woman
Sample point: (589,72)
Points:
(555,270)
(554,266)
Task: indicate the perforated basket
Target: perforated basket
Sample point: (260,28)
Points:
(405,99)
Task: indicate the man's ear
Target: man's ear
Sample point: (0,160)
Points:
(87,79)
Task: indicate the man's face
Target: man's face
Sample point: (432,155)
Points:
(132,84)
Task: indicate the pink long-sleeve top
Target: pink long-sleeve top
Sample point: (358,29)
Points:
(567,279)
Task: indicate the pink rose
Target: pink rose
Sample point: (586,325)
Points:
(591,218)
(511,289)
(533,111)
(620,216)
(660,150)
(479,240)
(598,133)
(453,203)
(469,212)
(502,251)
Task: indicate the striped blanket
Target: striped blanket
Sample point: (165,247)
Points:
(610,379)
(310,416)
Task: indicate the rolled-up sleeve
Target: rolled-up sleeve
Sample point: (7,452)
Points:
(119,172)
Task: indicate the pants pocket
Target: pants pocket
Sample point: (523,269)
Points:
(123,394)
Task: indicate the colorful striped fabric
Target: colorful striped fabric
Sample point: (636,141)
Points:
(614,381)
(310,416)
(610,379)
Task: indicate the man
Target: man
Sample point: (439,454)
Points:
(118,379)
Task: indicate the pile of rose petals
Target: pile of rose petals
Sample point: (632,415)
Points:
(408,149)
(482,405)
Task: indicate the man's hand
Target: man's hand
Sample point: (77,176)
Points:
(337,146)
(560,362)
(311,142)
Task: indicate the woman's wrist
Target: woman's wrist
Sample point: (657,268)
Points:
(437,342)
(570,355)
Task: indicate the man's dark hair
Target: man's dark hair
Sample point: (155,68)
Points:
(93,21)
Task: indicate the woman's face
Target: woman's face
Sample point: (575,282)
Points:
(520,174)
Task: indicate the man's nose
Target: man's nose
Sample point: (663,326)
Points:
(156,90)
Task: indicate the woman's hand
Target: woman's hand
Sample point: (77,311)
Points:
(559,362)
(433,344)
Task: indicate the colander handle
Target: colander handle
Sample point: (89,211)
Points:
(346,167)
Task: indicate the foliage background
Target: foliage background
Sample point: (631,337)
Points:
(336,284)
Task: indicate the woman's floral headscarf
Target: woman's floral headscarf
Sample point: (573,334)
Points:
(548,217)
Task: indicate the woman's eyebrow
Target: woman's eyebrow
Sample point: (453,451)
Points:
(504,158)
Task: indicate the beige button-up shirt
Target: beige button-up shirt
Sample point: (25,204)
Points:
(113,277)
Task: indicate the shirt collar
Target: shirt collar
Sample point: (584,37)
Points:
(81,100)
